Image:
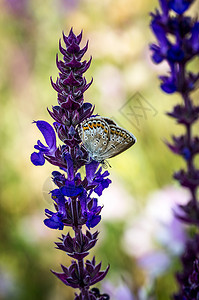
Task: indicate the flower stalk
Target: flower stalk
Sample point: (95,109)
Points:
(178,43)
(75,198)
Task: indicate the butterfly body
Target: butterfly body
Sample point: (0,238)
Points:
(103,139)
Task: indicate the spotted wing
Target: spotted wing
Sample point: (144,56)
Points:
(119,141)
(94,133)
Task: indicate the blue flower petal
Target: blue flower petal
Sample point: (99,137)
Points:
(50,138)
(186,153)
(179,6)
(92,221)
(102,185)
(160,34)
(168,84)
(91,169)
(37,159)
(168,87)
(70,167)
(194,40)
(70,189)
(48,133)
(54,222)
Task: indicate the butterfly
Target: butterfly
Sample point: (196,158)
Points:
(103,138)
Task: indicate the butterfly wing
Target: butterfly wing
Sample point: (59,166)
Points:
(119,141)
(94,133)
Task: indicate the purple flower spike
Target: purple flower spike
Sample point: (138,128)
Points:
(50,138)
(73,204)
(182,33)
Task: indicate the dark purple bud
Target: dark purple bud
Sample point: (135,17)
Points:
(188,213)
(188,179)
(70,80)
(183,116)
(72,277)
(79,246)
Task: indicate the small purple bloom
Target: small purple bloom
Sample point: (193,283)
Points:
(168,85)
(160,35)
(47,130)
(92,214)
(96,178)
(101,181)
(194,40)
(180,6)
(71,188)
(157,56)
(55,220)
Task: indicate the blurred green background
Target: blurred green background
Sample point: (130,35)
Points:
(124,78)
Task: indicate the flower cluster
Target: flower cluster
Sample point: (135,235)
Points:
(184,31)
(177,37)
(189,278)
(74,201)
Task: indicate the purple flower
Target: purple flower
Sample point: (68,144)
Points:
(96,178)
(157,55)
(168,84)
(180,6)
(194,40)
(101,181)
(173,25)
(47,130)
(73,203)
(188,278)
(70,189)
(54,221)
(92,213)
